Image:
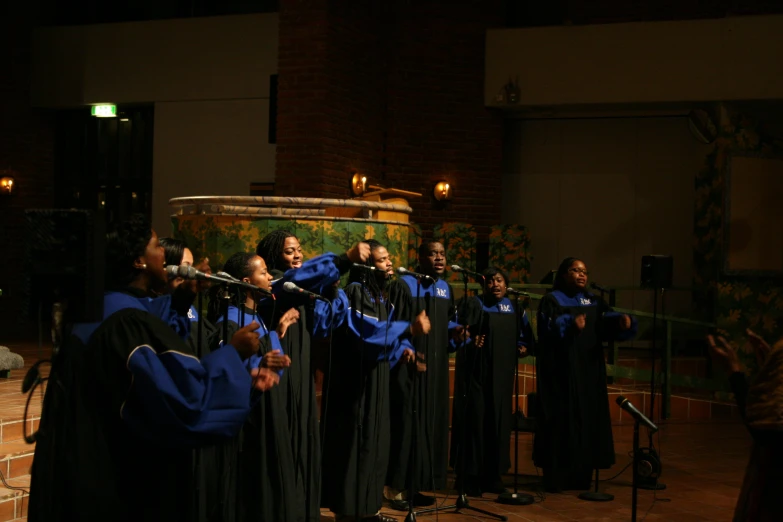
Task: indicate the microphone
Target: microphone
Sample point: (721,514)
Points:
(188,272)
(598,287)
(457,268)
(364,267)
(405,271)
(517,292)
(226,276)
(291,288)
(636,414)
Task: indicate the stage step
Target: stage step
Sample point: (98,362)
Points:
(15,461)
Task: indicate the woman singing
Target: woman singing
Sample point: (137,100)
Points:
(266,482)
(485,408)
(575,431)
(128,400)
(282,253)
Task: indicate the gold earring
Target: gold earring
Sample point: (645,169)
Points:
(144,266)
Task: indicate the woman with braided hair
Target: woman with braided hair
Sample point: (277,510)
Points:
(282,252)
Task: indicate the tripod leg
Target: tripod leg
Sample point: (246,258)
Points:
(462,503)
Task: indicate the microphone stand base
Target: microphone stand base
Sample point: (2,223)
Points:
(515,499)
(652,485)
(596,496)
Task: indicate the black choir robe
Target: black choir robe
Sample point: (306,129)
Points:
(215,466)
(574,433)
(279,466)
(484,387)
(356,388)
(264,471)
(125,405)
(300,399)
(432,387)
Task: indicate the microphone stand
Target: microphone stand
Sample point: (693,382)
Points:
(412,460)
(651,483)
(635,483)
(516,498)
(596,495)
(360,404)
(462,499)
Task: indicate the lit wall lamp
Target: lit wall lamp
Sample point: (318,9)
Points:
(358,184)
(7,185)
(442,191)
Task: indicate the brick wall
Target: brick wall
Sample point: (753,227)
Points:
(26,147)
(394,92)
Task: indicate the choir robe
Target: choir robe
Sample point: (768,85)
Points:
(264,470)
(432,387)
(125,405)
(279,467)
(356,388)
(215,466)
(298,380)
(574,434)
(484,387)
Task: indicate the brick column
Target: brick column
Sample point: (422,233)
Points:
(394,91)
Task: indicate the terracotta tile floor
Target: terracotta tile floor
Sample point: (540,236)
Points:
(703,465)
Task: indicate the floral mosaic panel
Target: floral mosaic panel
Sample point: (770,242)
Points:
(735,302)
(218,237)
(509,250)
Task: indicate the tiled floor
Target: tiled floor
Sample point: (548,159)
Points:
(703,464)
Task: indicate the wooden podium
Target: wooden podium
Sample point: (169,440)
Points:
(381,195)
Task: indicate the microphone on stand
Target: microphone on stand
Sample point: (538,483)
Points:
(457,268)
(636,414)
(188,272)
(226,276)
(600,288)
(405,271)
(517,292)
(291,288)
(364,267)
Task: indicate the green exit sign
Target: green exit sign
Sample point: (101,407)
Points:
(104,111)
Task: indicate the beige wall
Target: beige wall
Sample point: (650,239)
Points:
(226,57)
(208,148)
(696,60)
(207,77)
(609,191)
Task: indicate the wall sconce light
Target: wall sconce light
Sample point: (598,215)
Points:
(442,191)
(358,184)
(7,185)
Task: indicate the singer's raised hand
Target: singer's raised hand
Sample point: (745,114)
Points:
(420,325)
(288,318)
(625,322)
(723,353)
(275,360)
(461,334)
(359,253)
(264,379)
(760,347)
(579,322)
(245,340)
